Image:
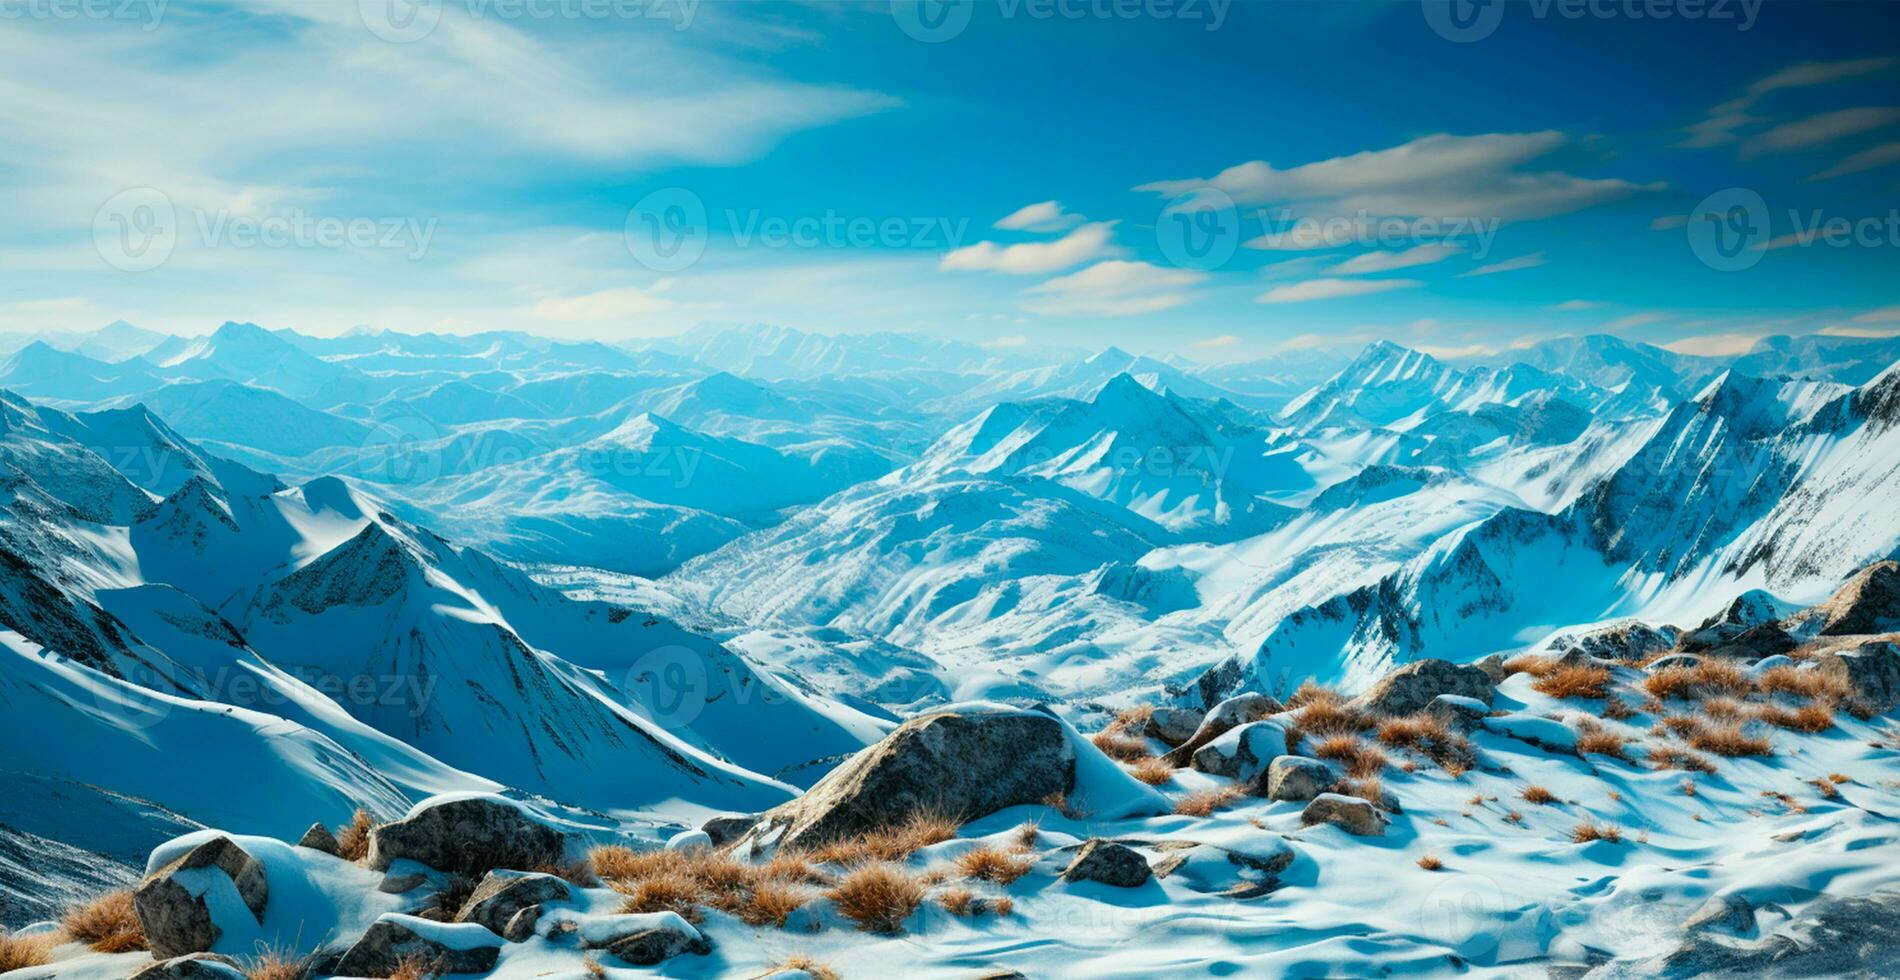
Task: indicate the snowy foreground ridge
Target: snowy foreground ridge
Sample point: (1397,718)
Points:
(761,653)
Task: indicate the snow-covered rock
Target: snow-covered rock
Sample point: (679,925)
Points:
(469,835)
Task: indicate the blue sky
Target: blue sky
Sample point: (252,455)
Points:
(497,164)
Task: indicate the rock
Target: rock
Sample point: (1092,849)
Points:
(1872,670)
(690,840)
(1173,725)
(1354,816)
(520,927)
(1109,863)
(197,966)
(446,947)
(1493,667)
(1625,641)
(1459,713)
(401,884)
(1683,660)
(1412,687)
(171,902)
(968,764)
(725,830)
(1729,913)
(1243,753)
(658,945)
(1297,778)
(1218,870)
(1765,640)
(468,835)
(1847,936)
(1750,609)
(1223,717)
(319,838)
(1869,602)
(503,893)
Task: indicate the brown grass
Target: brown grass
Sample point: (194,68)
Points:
(1027,835)
(1515,816)
(1123,748)
(1131,719)
(1729,739)
(799,961)
(1787,679)
(1370,789)
(992,864)
(1152,771)
(1533,664)
(281,965)
(1588,831)
(590,965)
(878,897)
(108,923)
(1671,757)
(1310,693)
(770,903)
(1413,732)
(1710,678)
(1825,787)
(1205,802)
(579,873)
(957,901)
(1360,759)
(1538,795)
(417,968)
(20,952)
(674,892)
(1576,681)
(1324,716)
(889,843)
(1430,862)
(1812,718)
(1594,739)
(1724,709)
(446,904)
(1617,709)
(352,839)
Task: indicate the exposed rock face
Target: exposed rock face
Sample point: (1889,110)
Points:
(1220,870)
(1412,687)
(1867,603)
(1750,609)
(445,947)
(1297,778)
(1766,640)
(1458,713)
(1109,863)
(725,830)
(197,966)
(503,893)
(1223,717)
(1674,660)
(1621,641)
(171,901)
(1728,913)
(1243,753)
(319,838)
(1354,816)
(1837,937)
(470,836)
(1173,725)
(967,765)
(657,945)
(521,925)
(1872,670)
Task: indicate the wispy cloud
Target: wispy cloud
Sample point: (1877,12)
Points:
(1715,344)
(1635,320)
(1575,305)
(1045,216)
(1819,130)
(1669,222)
(1086,243)
(1114,288)
(1886,314)
(1884,155)
(1530,261)
(1318,289)
(1372,262)
(1808,73)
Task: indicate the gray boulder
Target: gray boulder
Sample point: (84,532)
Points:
(1298,779)
(503,893)
(1869,602)
(1243,753)
(1109,863)
(171,903)
(1459,713)
(1225,871)
(319,838)
(966,765)
(197,966)
(1872,670)
(471,836)
(445,947)
(1684,660)
(520,927)
(1846,936)
(1173,725)
(1222,718)
(1412,687)
(657,945)
(1353,815)
(1625,641)
(725,830)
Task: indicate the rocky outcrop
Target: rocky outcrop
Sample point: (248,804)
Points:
(1298,779)
(197,966)
(319,838)
(965,764)
(1869,602)
(654,946)
(1460,714)
(1353,815)
(1727,913)
(1172,726)
(1222,718)
(172,902)
(1109,863)
(502,894)
(1235,873)
(444,947)
(725,830)
(642,939)
(1625,641)
(1412,687)
(1243,753)
(470,835)
(1871,670)
(1857,936)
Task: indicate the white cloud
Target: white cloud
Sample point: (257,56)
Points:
(1317,289)
(1436,176)
(1045,216)
(1530,261)
(1865,333)
(1371,262)
(1886,314)
(1453,353)
(1669,222)
(1114,288)
(1807,74)
(1635,320)
(1822,129)
(1715,344)
(606,304)
(1574,305)
(1216,343)
(1886,154)
(1089,242)
(1717,130)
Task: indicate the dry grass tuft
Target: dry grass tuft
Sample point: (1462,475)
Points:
(590,965)
(281,965)
(1123,748)
(1417,731)
(1575,681)
(352,839)
(1131,719)
(1812,718)
(992,864)
(1708,679)
(1370,789)
(1788,679)
(1617,709)
(108,923)
(1588,831)
(417,968)
(670,892)
(889,843)
(446,904)
(799,961)
(1538,795)
(878,897)
(1310,694)
(1515,816)
(1205,802)
(1533,664)
(1671,757)
(1724,709)
(1360,759)
(1152,771)
(578,873)
(1825,787)
(769,903)
(1729,739)
(1594,739)
(1027,835)
(21,952)
(1430,862)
